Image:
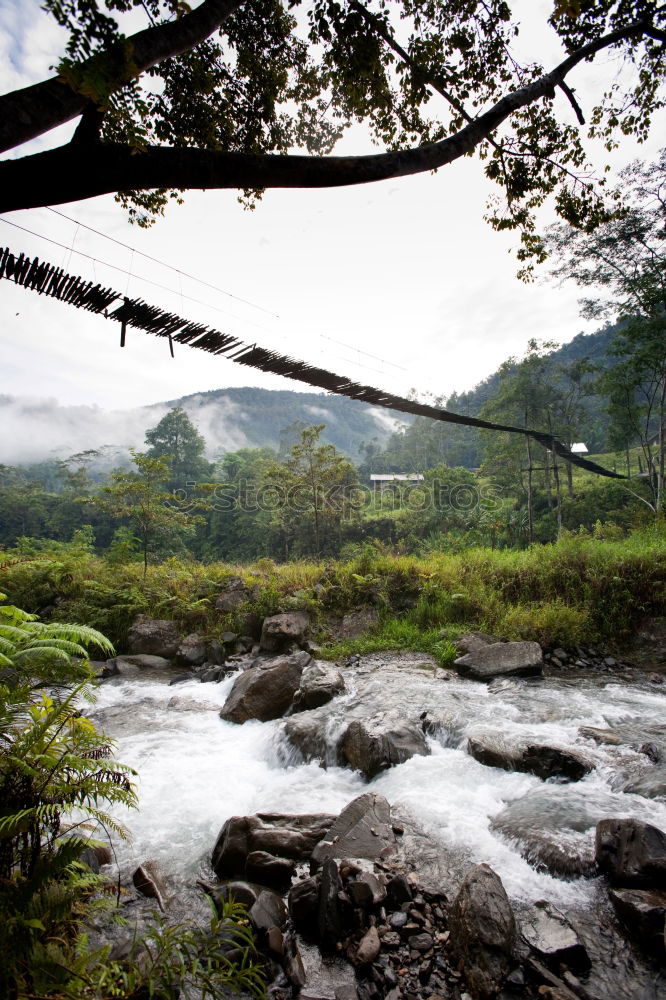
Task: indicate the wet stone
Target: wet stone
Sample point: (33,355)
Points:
(368,949)
(420,942)
(391,939)
(399,890)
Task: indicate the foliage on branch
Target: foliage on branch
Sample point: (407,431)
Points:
(218,95)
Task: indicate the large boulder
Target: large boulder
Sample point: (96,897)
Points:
(362,830)
(493,750)
(266,690)
(501,659)
(643,913)
(375,745)
(282,836)
(483,931)
(155,636)
(130,665)
(280,631)
(631,853)
(542,759)
(320,682)
(547,761)
(192,651)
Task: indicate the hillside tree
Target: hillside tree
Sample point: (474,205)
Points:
(175,437)
(310,494)
(624,262)
(248,96)
(142,500)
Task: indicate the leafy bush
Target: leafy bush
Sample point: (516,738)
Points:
(548,623)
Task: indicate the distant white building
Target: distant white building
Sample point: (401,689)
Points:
(580,448)
(381,479)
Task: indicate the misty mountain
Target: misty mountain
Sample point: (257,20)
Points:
(36,430)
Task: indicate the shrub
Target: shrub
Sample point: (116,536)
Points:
(548,623)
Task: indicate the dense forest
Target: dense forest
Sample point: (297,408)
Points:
(306,497)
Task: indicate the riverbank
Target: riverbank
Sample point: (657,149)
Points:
(582,591)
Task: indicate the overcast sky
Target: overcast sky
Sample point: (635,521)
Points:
(399,284)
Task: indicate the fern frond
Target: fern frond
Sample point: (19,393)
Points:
(20,822)
(40,654)
(14,633)
(83,634)
(15,614)
(6,646)
(72,648)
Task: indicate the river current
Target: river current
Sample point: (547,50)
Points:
(195,770)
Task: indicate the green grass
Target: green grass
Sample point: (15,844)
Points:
(395,633)
(582,588)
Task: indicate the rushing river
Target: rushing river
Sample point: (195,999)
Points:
(196,770)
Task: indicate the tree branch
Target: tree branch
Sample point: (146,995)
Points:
(64,174)
(573,102)
(27,113)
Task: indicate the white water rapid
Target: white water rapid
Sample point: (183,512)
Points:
(195,771)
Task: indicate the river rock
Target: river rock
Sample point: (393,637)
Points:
(483,931)
(293,966)
(399,890)
(471,642)
(238,892)
(631,853)
(268,911)
(552,826)
(155,636)
(544,760)
(368,887)
(130,665)
(550,935)
(362,830)
(368,948)
(266,690)
(280,631)
(330,921)
(651,784)
(548,761)
(283,836)
(307,735)
(181,678)
(320,682)
(149,881)
(232,597)
(501,659)
(492,750)
(375,745)
(643,913)
(268,870)
(192,651)
(304,905)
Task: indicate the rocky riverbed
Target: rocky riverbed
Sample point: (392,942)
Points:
(491,796)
